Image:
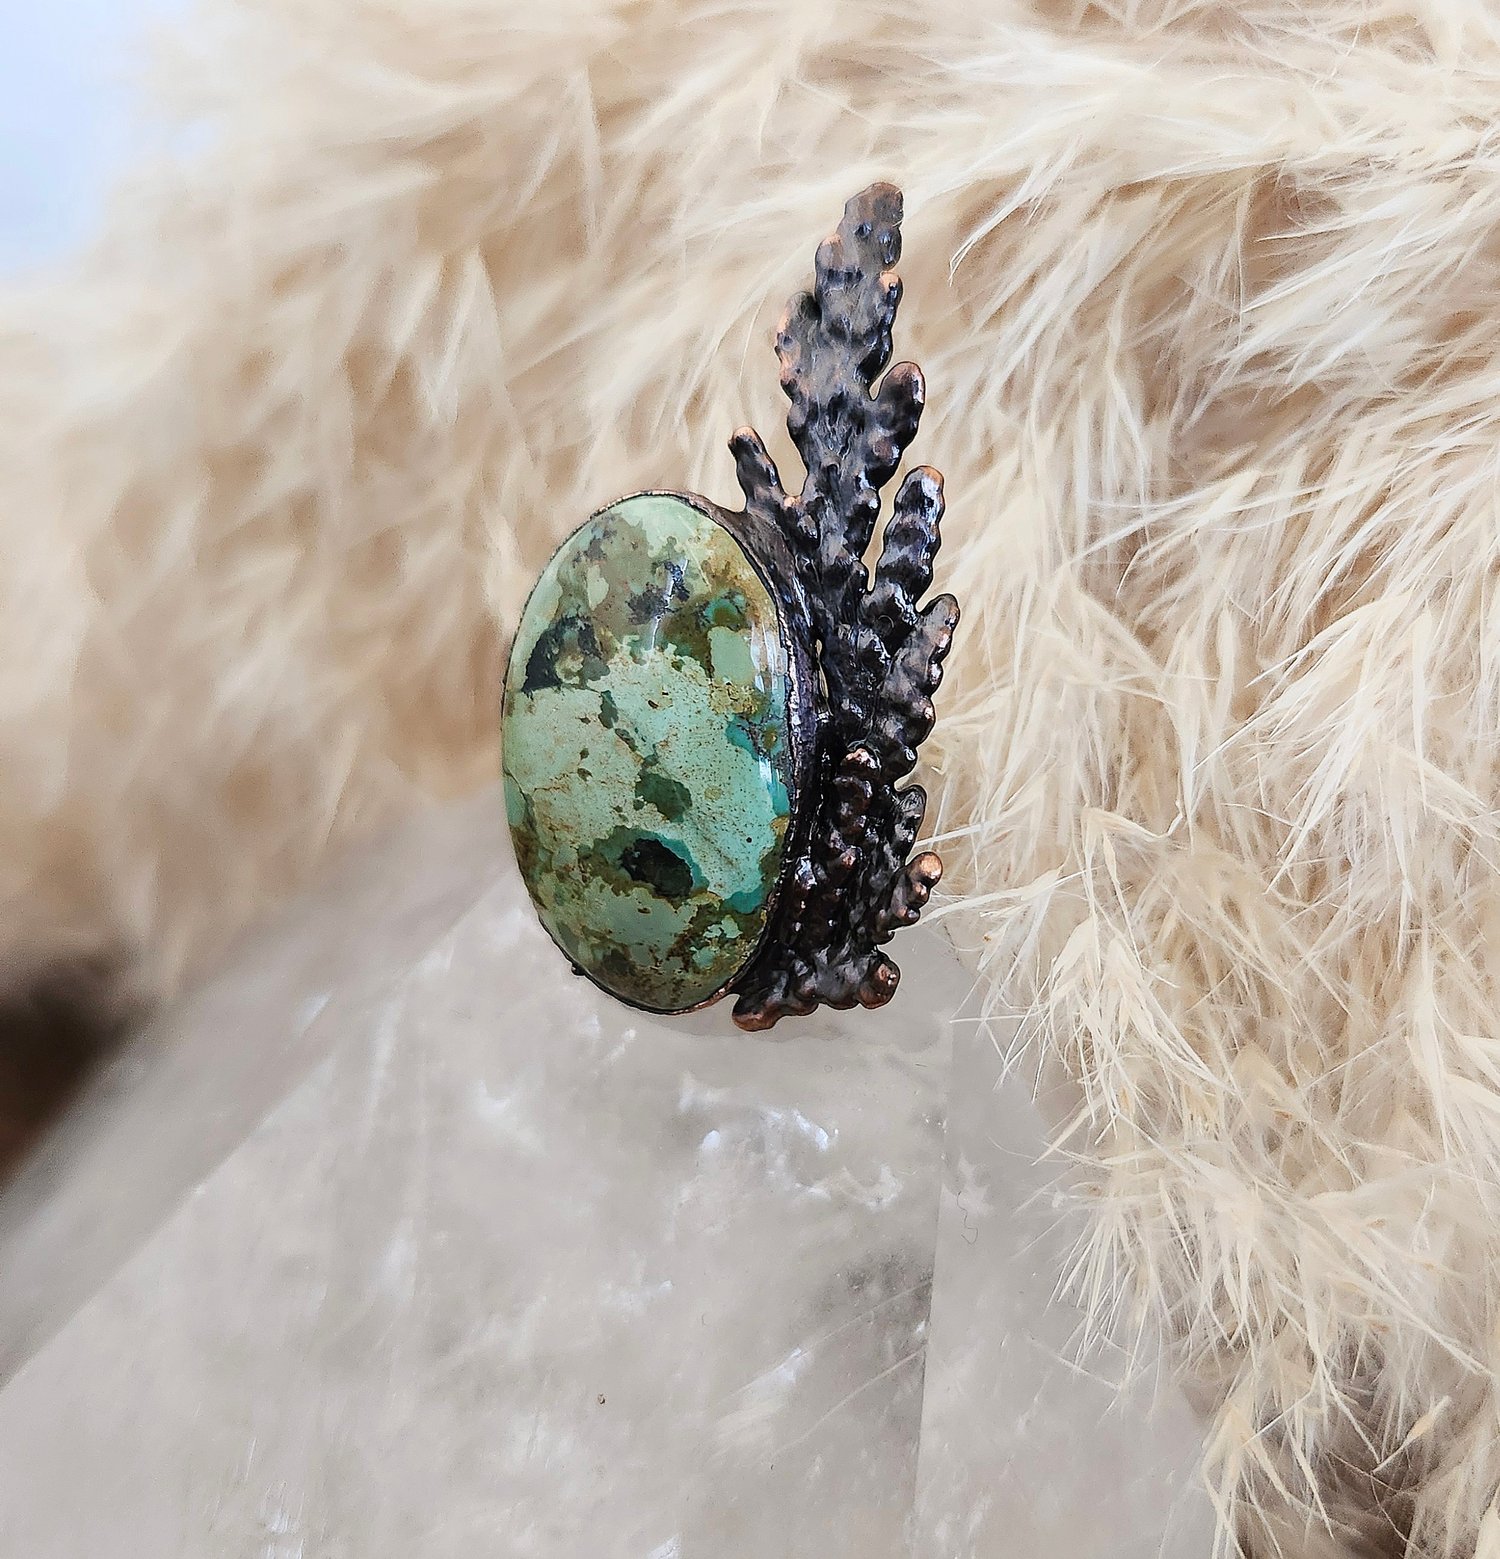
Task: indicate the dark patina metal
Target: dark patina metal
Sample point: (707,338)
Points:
(863,658)
(875,650)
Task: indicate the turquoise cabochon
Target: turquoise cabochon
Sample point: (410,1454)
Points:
(647,751)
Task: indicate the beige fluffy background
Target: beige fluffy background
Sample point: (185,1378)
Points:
(1208,299)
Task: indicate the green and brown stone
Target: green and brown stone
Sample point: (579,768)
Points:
(647,751)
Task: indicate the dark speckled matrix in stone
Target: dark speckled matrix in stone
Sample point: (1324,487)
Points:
(647,751)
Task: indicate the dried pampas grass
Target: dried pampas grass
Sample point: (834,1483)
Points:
(1209,303)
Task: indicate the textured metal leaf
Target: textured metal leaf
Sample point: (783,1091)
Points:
(878,649)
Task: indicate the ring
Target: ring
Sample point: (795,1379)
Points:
(707,714)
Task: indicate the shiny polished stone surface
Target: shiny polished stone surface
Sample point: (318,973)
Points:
(429,1248)
(647,751)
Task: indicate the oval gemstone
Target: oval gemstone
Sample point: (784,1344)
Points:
(647,752)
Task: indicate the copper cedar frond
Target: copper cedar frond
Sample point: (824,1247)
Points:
(878,649)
